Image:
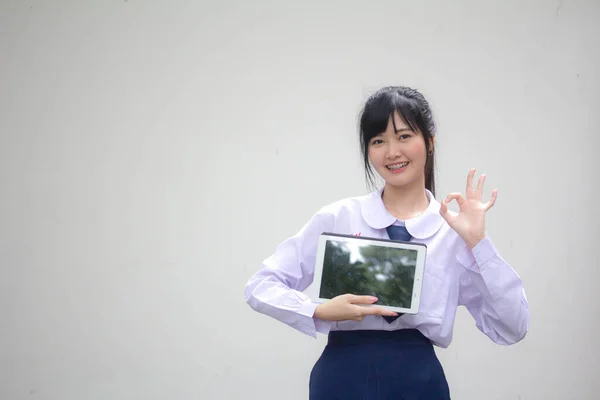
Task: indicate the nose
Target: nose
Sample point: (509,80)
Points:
(393,149)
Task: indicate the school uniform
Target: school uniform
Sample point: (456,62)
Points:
(381,358)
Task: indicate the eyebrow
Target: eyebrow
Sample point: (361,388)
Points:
(397,131)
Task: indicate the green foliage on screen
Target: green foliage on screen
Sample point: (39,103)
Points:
(385,272)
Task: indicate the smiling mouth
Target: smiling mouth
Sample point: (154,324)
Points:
(394,167)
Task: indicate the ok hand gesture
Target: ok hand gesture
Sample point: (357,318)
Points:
(469,223)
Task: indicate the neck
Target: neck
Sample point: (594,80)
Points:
(405,202)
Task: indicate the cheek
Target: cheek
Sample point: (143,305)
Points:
(376,157)
(417,152)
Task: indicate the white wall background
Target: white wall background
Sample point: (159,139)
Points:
(152,154)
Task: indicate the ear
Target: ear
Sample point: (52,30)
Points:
(432,142)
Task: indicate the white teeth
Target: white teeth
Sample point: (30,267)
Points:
(396,166)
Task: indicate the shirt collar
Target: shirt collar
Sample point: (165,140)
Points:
(421,227)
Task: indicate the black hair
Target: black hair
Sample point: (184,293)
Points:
(412,108)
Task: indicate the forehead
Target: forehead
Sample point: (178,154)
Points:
(398,122)
(395,124)
(377,121)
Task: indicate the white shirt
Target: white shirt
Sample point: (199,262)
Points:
(478,279)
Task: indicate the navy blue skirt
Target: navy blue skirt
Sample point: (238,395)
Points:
(378,365)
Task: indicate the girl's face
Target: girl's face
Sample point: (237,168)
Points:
(399,156)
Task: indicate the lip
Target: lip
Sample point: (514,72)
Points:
(399,170)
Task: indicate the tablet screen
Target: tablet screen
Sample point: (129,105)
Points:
(364,268)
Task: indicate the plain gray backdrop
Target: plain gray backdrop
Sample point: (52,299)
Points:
(153,153)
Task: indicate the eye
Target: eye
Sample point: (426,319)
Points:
(376,141)
(404,136)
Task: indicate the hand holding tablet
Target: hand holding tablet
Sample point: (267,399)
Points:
(353,272)
(350,307)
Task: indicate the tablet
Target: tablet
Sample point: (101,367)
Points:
(388,269)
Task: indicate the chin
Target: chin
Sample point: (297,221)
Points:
(399,181)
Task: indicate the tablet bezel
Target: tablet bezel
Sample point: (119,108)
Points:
(314,289)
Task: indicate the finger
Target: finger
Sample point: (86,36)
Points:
(470,180)
(378,311)
(479,190)
(443,208)
(355,299)
(455,196)
(444,211)
(492,201)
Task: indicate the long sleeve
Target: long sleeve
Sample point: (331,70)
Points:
(276,289)
(493,293)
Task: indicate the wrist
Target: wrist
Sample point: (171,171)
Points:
(474,240)
(318,311)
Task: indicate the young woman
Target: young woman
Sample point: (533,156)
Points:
(373,353)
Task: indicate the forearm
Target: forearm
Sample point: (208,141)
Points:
(271,297)
(494,294)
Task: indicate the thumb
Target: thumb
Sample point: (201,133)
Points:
(354,299)
(444,211)
(443,208)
